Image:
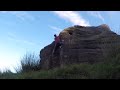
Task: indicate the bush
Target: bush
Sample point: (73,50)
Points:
(29,62)
(6,74)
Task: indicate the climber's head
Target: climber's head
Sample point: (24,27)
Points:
(55,35)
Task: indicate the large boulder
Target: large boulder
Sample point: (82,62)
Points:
(81,45)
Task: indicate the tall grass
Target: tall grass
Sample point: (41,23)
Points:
(29,62)
(108,69)
(6,74)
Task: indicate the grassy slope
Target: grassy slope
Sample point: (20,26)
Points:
(109,69)
(106,70)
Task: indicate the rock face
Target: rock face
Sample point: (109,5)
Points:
(81,45)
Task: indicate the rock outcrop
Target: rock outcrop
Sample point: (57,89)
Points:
(81,45)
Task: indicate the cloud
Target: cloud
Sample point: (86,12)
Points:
(13,38)
(3,11)
(56,30)
(27,42)
(73,17)
(96,14)
(112,12)
(22,41)
(10,34)
(23,15)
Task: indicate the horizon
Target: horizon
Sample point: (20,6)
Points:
(29,31)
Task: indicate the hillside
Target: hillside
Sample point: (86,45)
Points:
(106,70)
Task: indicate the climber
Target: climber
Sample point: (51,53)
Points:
(58,43)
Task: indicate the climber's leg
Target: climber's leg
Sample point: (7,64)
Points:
(56,47)
(60,45)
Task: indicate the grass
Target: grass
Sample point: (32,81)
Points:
(29,62)
(103,70)
(30,69)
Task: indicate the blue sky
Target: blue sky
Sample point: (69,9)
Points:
(30,31)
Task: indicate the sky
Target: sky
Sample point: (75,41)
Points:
(30,31)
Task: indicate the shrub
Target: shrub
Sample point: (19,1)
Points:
(29,62)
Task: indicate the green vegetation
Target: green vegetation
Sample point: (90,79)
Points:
(29,62)
(110,69)
(30,69)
